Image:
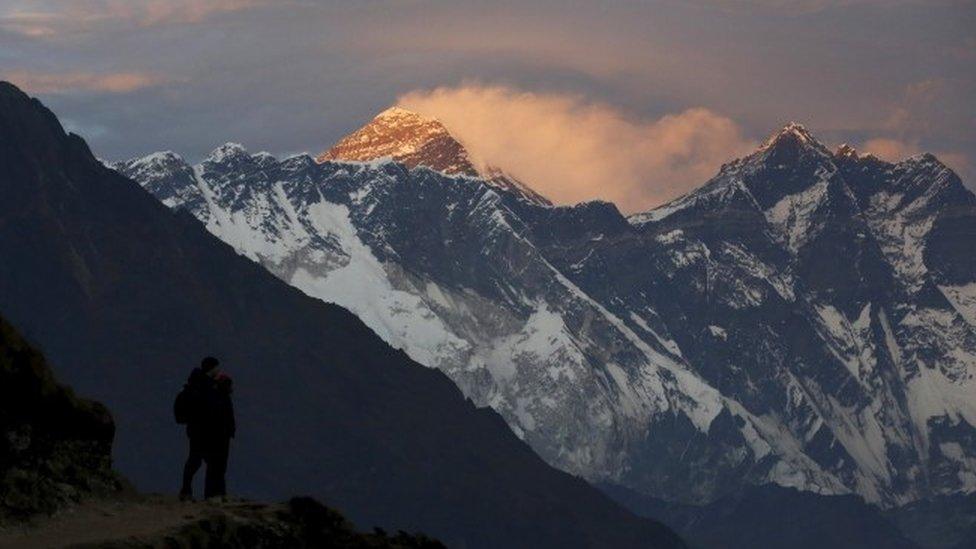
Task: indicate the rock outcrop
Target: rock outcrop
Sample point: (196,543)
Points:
(55,448)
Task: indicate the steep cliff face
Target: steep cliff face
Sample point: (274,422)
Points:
(804,318)
(55,448)
(826,277)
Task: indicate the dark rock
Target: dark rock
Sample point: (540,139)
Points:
(55,448)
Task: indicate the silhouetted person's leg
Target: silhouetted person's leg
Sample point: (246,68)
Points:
(216,483)
(192,465)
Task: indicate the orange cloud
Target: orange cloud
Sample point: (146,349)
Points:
(894,150)
(891,150)
(812,6)
(119,82)
(921,115)
(153,12)
(47,19)
(35,25)
(573,150)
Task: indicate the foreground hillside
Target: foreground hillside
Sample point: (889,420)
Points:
(125,296)
(131,521)
(55,459)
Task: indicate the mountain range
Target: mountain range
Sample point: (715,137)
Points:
(806,318)
(124,296)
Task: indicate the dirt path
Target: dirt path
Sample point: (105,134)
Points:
(101,521)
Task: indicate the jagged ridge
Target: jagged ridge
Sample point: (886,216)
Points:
(774,325)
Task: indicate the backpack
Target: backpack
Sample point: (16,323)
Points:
(183,406)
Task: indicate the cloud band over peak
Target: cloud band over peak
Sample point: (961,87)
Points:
(571,149)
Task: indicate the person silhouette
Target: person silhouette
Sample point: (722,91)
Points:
(221,428)
(210,424)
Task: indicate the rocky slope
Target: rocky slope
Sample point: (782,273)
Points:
(805,318)
(126,296)
(55,448)
(301,522)
(138,521)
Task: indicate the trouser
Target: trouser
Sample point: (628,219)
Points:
(214,452)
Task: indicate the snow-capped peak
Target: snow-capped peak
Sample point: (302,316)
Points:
(415,140)
(399,113)
(847,151)
(407,137)
(161,156)
(225,151)
(798,130)
(152,166)
(925,159)
(793,133)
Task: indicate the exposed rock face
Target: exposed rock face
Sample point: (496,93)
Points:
(833,273)
(415,141)
(805,318)
(407,137)
(55,448)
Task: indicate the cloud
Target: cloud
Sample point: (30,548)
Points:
(573,150)
(813,6)
(932,108)
(891,150)
(935,106)
(58,83)
(299,77)
(894,150)
(30,24)
(914,113)
(55,18)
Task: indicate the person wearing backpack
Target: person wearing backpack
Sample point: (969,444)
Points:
(195,402)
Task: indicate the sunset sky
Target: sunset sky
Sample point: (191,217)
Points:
(633,102)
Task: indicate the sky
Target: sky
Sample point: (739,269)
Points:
(633,102)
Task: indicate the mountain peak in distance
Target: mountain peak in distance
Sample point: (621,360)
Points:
(793,136)
(407,137)
(415,140)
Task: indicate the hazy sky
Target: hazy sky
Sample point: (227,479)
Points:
(629,101)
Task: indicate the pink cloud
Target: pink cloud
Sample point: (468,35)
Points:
(52,19)
(572,150)
(895,150)
(812,6)
(891,150)
(118,82)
